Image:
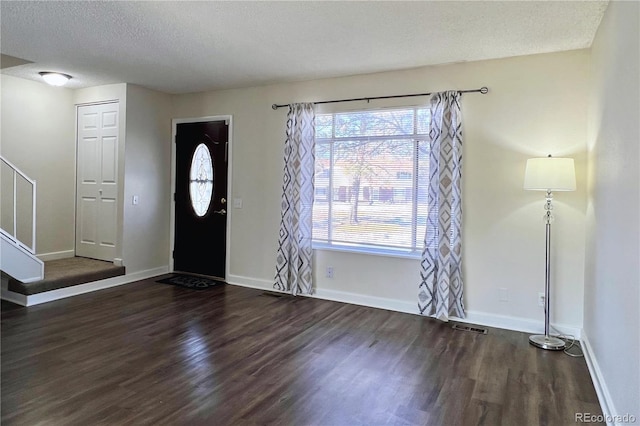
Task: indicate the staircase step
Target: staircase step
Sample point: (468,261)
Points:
(67,272)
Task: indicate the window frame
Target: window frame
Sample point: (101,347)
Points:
(415,139)
(201,185)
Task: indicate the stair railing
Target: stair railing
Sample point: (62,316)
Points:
(13,234)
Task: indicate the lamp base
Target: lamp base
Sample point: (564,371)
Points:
(547,342)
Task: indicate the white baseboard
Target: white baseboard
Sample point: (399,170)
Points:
(486,319)
(55,255)
(250,282)
(365,300)
(75,290)
(17,298)
(604,397)
(526,325)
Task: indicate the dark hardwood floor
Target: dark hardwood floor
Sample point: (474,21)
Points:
(149,353)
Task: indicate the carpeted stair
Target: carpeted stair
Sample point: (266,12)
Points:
(66,273)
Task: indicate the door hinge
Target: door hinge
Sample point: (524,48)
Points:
(174,196)
(173,254)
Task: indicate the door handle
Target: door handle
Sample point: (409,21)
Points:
(221,211)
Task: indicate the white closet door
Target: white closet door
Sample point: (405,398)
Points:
(97,181)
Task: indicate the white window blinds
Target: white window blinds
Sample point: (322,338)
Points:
(368,169)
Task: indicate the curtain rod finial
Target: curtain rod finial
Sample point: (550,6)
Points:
(484,90)
(274,106)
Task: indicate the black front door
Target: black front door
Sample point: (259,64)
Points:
(201,198)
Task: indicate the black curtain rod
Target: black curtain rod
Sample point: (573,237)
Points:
(484,90)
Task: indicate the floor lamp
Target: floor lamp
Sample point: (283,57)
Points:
(549,174)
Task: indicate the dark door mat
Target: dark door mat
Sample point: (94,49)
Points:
(190,281)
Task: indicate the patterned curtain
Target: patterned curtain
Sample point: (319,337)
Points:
(440,292)
(293,270)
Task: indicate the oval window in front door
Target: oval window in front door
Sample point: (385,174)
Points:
(201,180)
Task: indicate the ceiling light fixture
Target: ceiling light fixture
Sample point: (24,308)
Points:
(55,78)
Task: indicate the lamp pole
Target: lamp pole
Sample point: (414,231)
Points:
(547,341)
(549,174)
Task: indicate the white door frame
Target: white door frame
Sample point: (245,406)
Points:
(117,260)
(172,222)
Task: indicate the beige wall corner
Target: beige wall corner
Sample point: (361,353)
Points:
(147,174)
(612,266)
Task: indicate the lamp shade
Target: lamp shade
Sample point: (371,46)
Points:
(550,174)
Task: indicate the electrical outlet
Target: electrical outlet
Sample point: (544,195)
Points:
(541,299)
(329,273)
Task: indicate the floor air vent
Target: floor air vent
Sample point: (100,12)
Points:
(272,294)
(467,328)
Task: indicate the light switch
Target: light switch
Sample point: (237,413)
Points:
(135,200)
(237,203)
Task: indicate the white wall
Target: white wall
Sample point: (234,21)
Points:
(148,175)
(39,138)
(537,105)
(612,278)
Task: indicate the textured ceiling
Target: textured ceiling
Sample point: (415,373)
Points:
(180,47)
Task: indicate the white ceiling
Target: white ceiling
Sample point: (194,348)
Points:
(181,47)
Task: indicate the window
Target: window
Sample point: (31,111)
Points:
(371,174)
(201,180)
